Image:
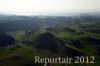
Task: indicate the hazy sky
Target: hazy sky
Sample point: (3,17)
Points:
(40,7)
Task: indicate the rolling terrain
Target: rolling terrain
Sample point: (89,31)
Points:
(24,37)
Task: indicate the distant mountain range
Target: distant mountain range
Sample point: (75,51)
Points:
(15,22)
(62,14)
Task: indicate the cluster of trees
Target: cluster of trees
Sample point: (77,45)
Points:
(6,40)
(93,28)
